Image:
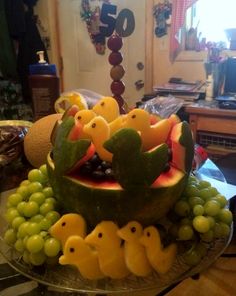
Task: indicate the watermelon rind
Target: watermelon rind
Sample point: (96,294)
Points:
(101,201)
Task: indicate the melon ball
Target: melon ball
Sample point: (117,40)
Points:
(37,142)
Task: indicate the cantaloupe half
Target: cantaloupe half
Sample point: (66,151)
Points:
(37,143)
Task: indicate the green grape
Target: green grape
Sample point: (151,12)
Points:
(34,187)
(24,183)
(185,221)
(15,198)
(19,245)
(52,216)
(48,192)
(51,200)
(17,221)
(38,258)
(22,230)
(213,191)
(10,236)
(208,236)
(8,205)
(225,229)
(185,232)
(11,214)
(52,247)
(217,230)
(38,197)
(192,258)
(44,234)
(33,228)
(211,220)
(45,180)
(36,175)
(45,224)
(26,257)
(198,210)
(25,239)
(192,178)
(191,190)
(23,191)
(204,193)
(201,249)
(46,207)
(195,200)
(192,183)
(182,208)
(204,184)
(225,216)
(221,200)
(35,243)
(20,207)
(212,208)
(31,209)
(37,218)
(201,224)
(44,170)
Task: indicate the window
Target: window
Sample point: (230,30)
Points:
(211,18)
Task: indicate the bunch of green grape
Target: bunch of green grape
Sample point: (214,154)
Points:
(202,217)
(31,211)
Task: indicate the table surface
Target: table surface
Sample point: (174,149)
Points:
(203,107)
(218,280)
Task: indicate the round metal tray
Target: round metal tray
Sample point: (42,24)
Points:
(67,278)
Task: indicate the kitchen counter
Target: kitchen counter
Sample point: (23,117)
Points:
(213,127)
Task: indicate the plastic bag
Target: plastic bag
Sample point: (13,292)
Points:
(91,97)
(163,106)
(83,98)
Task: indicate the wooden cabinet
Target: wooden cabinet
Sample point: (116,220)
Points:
(213,128)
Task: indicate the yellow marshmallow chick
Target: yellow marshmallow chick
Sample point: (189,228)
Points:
(67,100)
(160,258)
(152,135)
(108,108)
(99,131)
(135,254)
(117,124)
(84,117)
(78,253)
(105,240)
(67,225)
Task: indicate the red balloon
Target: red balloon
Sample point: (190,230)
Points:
(121,103)
(117,87)
(114,42)
(115,58)
(117,72)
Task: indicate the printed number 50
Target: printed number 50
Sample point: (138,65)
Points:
(125,17)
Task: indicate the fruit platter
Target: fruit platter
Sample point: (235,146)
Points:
(116,207)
